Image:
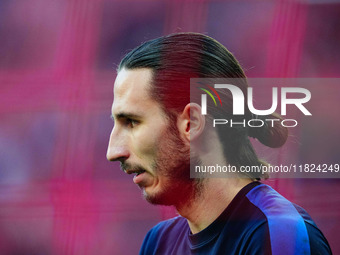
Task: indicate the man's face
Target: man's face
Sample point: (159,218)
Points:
(146,143)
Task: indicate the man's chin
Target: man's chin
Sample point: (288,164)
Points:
(159,198)
(174,195)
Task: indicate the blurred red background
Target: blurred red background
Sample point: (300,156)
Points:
(58,194)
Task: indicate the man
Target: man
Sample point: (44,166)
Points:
(159,129)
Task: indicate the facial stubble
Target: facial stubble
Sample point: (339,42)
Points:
(172,163)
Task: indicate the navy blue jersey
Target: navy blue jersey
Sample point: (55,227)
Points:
(257,221)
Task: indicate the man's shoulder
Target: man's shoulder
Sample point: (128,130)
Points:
(284,218)
(173,224)
(273,204)
(164,233)
(280,214)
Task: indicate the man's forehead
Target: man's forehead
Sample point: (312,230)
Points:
(131,89)
(131,80)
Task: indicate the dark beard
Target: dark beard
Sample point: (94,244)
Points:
(173,162)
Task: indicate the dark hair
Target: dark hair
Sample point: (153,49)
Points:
(176,58)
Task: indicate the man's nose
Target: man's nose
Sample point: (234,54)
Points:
(117,149)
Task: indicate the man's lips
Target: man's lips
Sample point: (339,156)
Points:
(141,177)
(132,171)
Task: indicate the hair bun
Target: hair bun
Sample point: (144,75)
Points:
(271,134)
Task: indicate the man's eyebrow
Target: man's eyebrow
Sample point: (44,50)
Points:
(125,115)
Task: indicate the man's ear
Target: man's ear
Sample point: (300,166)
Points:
(191,122)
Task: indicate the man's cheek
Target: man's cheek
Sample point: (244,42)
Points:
(145,146)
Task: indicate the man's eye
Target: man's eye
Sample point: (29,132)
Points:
(131,123)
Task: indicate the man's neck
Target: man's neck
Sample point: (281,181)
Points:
(214,198)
